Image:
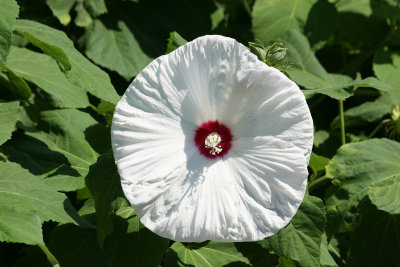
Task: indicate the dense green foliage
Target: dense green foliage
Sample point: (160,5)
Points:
(65,63)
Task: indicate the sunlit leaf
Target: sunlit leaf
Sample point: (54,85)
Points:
(273,19)
(83,73)
(174,41)
(62,153)
(8,13)
(27,194)
(82,18)
(326,259)
(61,9)
(19,226)
(317,163)
(204,255)
(386,66)
(8,117)
(371,167)
(116,49)
(18,85)
(43,71)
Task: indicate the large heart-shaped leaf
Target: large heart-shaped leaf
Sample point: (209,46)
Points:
(301,239)
(63,152)
(371,167)
(25,202)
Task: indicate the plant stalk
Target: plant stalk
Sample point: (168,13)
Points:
(342,127)
(50,257)
(378,128)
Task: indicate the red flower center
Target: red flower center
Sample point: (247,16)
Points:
(213,139)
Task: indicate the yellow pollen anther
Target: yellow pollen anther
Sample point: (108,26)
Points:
(212,141)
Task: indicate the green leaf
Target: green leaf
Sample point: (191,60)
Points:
(9,113)
(133,244)
(326,258)
(61,153)
(52,50)
(61,9)
(378,234)
(96,7)
(82,18)
(309,73)
(301,239)
(18,85)
(386,67)
(205,254)
(357,168)
(368,20)
(274,18)
(53,167)
(20,226)
(317,163)
(44,72)
(105,186)
(322,22)
(130,245)
(386,194)
(174,41)
(83,73)
(320,137)
(20,190)
(8,13)
(116,49)
(76,247)
(107,110)
(256,254)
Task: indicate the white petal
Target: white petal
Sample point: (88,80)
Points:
(256,188)
(264,102)
(241,198)
(225,81)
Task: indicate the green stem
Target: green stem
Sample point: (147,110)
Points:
(317,183)
(50,257)
(342,127)
(378,128)
(3,157)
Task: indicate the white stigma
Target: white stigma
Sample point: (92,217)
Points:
(212,141)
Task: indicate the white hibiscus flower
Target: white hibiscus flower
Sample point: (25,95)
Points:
(212,144)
